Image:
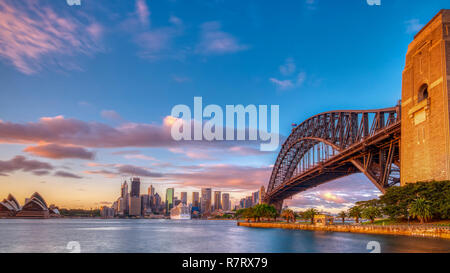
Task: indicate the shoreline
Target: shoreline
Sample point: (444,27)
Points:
(383,230)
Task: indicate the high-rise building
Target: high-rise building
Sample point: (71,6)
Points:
(255,198)
(145,204)
(151,190)
(170,196)
(195,199)
(248,202)
(226,201)
(135,206)
(206,200)
(217,200)
(135,187)
(124,195)
(156,203)
(183,198)
(262,191)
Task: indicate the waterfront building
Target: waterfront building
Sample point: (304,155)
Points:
(124,195)
(156,203)
(248,202)
(323,220)
(106,212)
(183,198)
(135,187)
(262,191)
(196,199)
(135,206)
(145,204)
(206,201)
(255,198)
(217,200)
(226,206)
(122,205)
(180,212)
(170,197)
(9,206)
(34,207)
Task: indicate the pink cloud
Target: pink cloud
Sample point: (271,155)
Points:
(60,130)
(33,36)
(225,176)
(142,12)
(20,163)
(215,41)
(56,151)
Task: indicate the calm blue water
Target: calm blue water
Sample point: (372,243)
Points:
(144,235)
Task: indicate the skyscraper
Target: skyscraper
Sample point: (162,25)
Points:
(183,198)
(151,190)
(226,201)
(135,187)
(170,196)
(124,195)
(195,199)
(217,200)
(206,200)
(262,191)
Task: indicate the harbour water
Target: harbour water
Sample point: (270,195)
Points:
(145,235)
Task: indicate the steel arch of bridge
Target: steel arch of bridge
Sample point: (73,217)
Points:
(335,144)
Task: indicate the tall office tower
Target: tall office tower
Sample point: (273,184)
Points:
(262,191)
(184,198)
(206,200)
(226,201)
(255,198)
(124,189)
(195,199)
(242,203)
(134,206)
(145,204)
(170,196)
(151,190)
(217,200)
(248,202)
(124,195)
(156,203)
(135,187)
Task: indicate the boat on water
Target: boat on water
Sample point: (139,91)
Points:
(180,212)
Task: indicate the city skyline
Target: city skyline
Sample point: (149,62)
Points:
(79,116)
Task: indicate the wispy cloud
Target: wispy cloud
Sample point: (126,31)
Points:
(34,36)
(413,26)
(20,163)
(214,41)
(288,69)
(67,175)
(143,12)
(56,151)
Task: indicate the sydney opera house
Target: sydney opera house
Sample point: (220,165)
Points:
(34,207)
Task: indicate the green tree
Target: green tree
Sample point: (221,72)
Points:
(421,209)
(310,214)
(342,215)
(355,212)
(371,213)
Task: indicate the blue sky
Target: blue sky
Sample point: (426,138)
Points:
(124,64)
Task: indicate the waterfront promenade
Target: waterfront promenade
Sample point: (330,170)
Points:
(408,230)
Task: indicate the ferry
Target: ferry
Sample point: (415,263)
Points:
(180,212)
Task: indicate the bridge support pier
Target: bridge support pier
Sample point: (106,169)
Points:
(277,204)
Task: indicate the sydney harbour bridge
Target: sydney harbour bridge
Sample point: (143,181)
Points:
(334,144)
